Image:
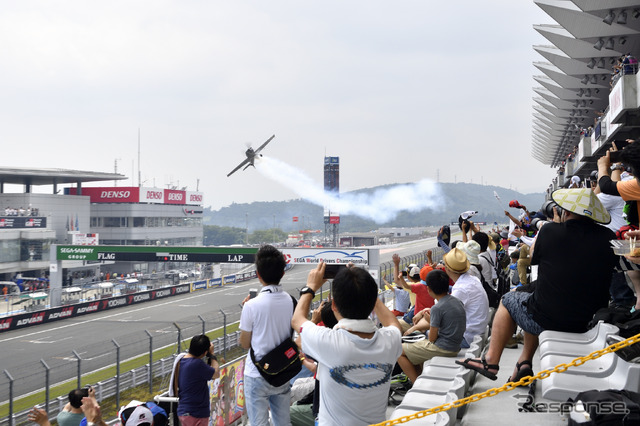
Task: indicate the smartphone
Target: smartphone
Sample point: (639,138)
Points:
(330,271)
(620,144)
(405,273)
(253,293)
(614,156)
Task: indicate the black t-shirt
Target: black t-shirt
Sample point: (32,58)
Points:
(575,262)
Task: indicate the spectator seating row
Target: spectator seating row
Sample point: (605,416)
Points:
(609,371)
(442,381)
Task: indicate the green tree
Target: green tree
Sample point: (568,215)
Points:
(223,235)
(267,236)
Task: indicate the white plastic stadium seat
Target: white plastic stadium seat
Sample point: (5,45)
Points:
(620,375)
(447,371)
(439,385)
(418,401)
(578,347)
(599,367)
(602,328)
(438,419)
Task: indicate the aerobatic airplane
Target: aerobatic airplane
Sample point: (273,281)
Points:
(251,156)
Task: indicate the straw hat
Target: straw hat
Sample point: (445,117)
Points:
(456,261)
(583,202)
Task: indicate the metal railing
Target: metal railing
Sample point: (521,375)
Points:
(113,386)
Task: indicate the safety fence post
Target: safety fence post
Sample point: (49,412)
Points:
(150,361)
(117,372)
(224,346)
(46,385)
(203,324)
(79,368)
(179,336)
(10,397)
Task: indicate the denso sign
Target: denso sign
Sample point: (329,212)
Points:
(113,194)
(171,196)
(194,198)
(152,195)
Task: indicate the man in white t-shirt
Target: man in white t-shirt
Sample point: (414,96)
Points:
(469,290)
(355,358)
(265,322)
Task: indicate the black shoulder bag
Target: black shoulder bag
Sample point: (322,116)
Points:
(282,363)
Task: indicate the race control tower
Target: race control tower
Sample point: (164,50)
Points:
(332,186)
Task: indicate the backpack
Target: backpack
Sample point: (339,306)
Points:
(607,407)
(503,282)
(627,322)
(492,295)
(503,259)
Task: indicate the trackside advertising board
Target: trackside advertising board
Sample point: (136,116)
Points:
(208,254)
(327,255)
(157,254)
(27,319)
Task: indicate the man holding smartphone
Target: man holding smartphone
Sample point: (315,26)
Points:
(355,358)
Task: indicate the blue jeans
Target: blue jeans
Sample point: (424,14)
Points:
(260,396)
(620,292)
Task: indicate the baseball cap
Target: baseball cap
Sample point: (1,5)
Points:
(135,414)
(425,271)
(413,271)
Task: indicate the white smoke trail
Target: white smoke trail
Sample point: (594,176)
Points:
(380,206)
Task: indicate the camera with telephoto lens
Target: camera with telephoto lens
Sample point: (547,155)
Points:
(547,210)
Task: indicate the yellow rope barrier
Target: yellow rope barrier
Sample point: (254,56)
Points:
(560,368)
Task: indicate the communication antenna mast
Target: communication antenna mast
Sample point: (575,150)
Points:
(115,170)
(139,174)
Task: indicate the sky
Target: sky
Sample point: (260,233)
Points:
(402,91)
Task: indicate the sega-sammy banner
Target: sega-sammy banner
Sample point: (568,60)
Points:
(334,256)
(198,285)
(216,282)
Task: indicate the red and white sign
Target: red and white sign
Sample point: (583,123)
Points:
(134,194)
(79,239)
(116,194)
(194,198)
(152,195)
(172,196)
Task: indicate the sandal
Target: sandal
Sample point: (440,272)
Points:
(522,372)
(484,370)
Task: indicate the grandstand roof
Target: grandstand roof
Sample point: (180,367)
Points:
(30,176)
(587,38)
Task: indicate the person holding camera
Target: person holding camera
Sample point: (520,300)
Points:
(191,375)
(610,167)
(355,358)
(613,182)
(72,414)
